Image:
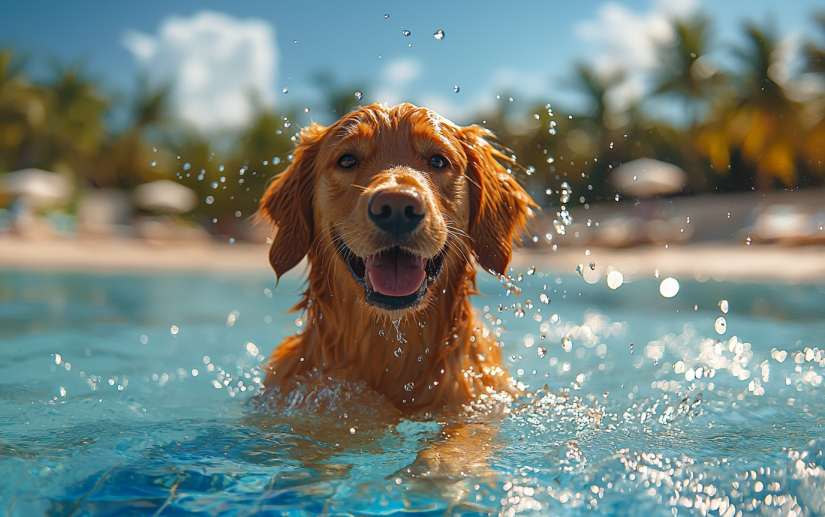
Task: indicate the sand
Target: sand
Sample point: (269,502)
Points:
(720,262)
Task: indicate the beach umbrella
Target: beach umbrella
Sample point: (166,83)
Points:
(38,187)
(647,178)
(165,196)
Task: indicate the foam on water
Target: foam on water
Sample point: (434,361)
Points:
(102,413)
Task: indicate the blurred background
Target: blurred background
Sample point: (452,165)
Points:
(634,123)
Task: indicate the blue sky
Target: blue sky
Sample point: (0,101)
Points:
(522,49)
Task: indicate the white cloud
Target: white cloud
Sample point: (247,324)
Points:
(214,63)
(627,43)
(402,71)
(396,78)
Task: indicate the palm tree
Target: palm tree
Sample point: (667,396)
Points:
(767,127)
(128,158)
(22,110)
(685,72)
(814,147)
(74,126)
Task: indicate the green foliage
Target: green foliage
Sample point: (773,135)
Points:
(740,130)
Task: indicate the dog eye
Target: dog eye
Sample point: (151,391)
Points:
(346,161)
(438,161)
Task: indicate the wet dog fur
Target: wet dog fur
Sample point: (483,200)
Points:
(425,351)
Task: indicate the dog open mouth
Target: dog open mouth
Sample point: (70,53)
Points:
(393,279)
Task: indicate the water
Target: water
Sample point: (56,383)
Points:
(101,412)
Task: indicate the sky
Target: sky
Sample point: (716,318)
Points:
(224,60)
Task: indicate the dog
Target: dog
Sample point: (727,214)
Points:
(394,207)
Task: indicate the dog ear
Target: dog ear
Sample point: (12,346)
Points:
(287,203)
(499,207)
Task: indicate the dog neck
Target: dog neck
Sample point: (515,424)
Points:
(439,357)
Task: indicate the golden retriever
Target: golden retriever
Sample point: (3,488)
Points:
(393,207)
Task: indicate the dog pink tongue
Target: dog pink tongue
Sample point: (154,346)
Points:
(395,273)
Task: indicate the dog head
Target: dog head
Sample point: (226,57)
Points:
(395,191)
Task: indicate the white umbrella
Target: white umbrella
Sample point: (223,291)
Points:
(39,187)
(647,178)
(165,196)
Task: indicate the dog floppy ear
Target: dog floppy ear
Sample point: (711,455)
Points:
(288,204)
(499,207)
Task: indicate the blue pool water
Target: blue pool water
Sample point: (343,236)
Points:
(104,411)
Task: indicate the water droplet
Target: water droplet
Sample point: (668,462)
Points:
(531,270)
(398,353)
(615,279)
(153,163)
(518,313)
(721,325)
(687,220)
(544,298)
(528,304)
(351,430)
(276,161)
(542,352)
(409,386)
(214,184)
(566,344)
(406,32)
(421,324)
(439,35)
(669,287)
(748,240)
(551,159)
(456,89)
(210,200)
(186,166)
(306,110)
(618,197)
(285,90)
(520,277)
(592,266)
(174,330)
(631,348)
(580,269)
(565,217)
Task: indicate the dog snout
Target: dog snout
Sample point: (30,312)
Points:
(397,211)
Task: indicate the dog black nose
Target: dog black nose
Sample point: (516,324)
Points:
(397,211)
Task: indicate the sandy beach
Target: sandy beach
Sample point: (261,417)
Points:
(720,262)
